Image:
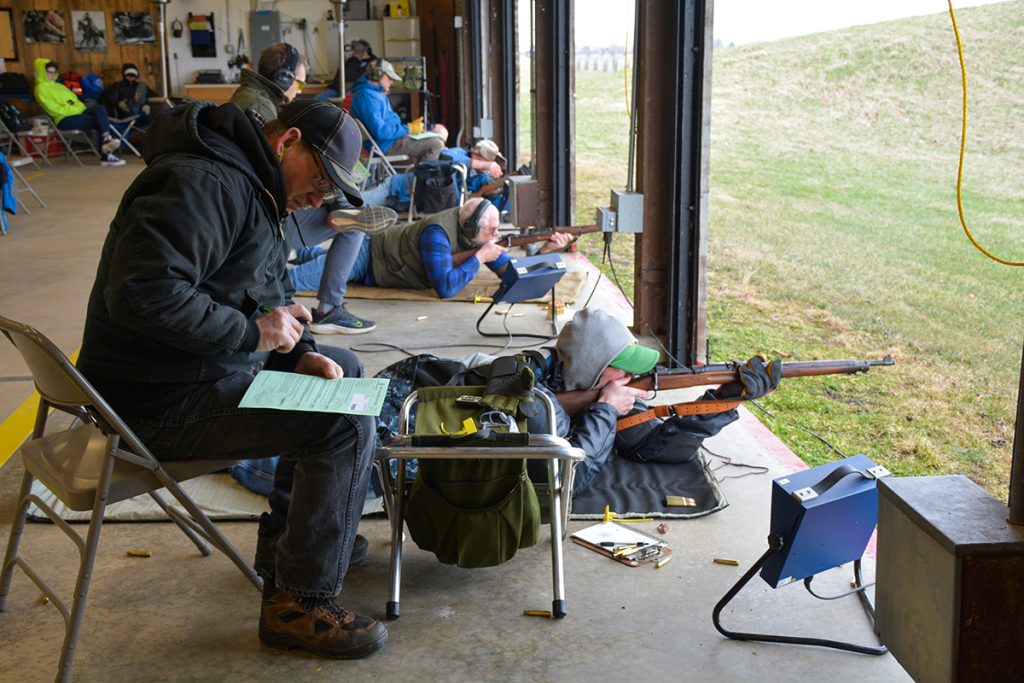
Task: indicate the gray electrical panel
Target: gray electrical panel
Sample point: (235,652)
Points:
(629,210)
(265,30)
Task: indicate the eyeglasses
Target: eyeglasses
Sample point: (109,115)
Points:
(299,85)
(323,185)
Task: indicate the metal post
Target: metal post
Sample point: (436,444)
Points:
(1017,464)
(340,18)
(161,29)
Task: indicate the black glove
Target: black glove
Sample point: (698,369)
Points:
(510,388)
(756,379)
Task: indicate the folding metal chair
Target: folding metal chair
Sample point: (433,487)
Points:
(550,447)
(122,129)
(69,137)
(9,140)
(377,162)
(88,466)
(23,185)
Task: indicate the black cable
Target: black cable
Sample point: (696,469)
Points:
(727,462)
(817,436)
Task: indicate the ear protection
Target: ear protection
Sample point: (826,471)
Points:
(373,71)
(472,224)
(284,76)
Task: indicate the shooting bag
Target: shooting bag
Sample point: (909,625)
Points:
(435,186)
(471,512)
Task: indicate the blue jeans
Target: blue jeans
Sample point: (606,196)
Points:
(330,277)
(93,118)
(321,480)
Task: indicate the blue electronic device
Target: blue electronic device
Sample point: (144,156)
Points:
(529,277)
(824,516)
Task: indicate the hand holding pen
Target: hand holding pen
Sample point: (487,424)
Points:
(281,327)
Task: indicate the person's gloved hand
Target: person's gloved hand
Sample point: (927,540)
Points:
(510,388)
(756,379)
(123,106)
(416,127)
(145,109)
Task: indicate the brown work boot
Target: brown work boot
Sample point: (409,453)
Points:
(319,626)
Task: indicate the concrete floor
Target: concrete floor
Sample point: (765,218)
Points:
(181,617)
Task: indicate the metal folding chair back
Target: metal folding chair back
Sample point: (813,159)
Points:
(9,141)
(22,185)
(556,450)
(377,162)
(98,462)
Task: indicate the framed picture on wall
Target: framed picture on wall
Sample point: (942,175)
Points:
(90,31)
(8,39)
(133,28)
(43,26)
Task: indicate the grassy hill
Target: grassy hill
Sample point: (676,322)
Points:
(834,232)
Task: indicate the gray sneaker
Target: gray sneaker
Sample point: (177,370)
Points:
(368,219)
(339,321)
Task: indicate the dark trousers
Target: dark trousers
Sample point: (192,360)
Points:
(321,479)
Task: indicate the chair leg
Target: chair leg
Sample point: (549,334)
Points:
(202,545)
(397,522)
(555,507)
(88,551)
(17,527)
(210,530)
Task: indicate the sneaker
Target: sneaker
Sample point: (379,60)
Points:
(368,219)
(110,146)
(319,626)
(108,159)
(339,321)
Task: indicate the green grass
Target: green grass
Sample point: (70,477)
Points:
(834,233)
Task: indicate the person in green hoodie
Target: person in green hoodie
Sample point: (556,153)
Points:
(70,113)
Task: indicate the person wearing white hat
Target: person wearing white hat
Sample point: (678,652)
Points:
(371,106)
(129,96)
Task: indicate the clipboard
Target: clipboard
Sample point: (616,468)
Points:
(617,535)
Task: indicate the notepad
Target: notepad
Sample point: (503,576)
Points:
(605,537)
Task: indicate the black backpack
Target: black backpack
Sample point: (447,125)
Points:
(14,84)
(435,186)
(13,118)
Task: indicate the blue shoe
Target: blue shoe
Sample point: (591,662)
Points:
(339,321)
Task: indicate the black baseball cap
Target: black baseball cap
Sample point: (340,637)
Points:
(329,131)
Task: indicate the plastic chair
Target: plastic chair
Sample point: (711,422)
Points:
(550,447)
(88,466)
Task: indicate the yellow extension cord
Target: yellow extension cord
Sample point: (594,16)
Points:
(963,144)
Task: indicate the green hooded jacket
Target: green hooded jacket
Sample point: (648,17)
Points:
(53,97)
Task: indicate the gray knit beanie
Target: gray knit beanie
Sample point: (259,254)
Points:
(587,345)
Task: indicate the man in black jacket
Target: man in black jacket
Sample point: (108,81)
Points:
(191,299)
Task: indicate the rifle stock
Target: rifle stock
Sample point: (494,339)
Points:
(543,235)
(722,373)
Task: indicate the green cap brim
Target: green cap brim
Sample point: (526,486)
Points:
(636,359)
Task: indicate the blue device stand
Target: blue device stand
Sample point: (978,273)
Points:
(526,278)
(821,518)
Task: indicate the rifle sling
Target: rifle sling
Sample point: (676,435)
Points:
(691,408)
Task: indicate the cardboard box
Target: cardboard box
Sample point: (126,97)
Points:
(401,28)
(402,48)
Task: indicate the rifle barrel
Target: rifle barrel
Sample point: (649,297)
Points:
(541,235)
(721,373)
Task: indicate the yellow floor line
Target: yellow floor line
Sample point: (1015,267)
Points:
(18,425)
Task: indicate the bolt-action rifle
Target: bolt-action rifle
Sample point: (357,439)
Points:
(542,234)
(717,373)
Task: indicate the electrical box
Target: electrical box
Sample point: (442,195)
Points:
(949,589)
(605,219)
(265,29)
(524,201)
(629,209)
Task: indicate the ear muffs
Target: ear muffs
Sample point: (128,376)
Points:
(472,224)
(373,71)
(285,74)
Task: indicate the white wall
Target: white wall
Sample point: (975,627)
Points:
(230,15)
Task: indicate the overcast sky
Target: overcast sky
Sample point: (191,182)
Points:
(610,22)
